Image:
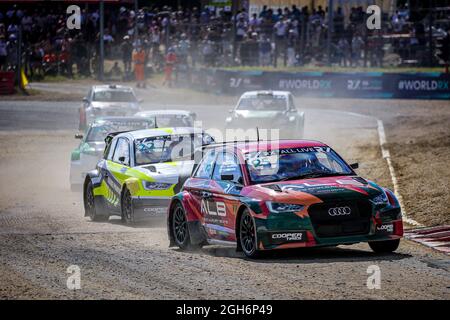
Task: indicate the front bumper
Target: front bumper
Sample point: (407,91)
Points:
(145,208)
(295,232)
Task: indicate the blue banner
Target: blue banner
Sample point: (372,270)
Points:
(327,84)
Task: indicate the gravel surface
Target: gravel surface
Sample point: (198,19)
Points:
(43,231)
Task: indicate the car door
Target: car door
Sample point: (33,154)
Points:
(117,170)
(223,201)
(198,186)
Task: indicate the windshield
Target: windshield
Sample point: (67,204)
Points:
(296,163)
(114,96)
(98,132)
(263,103)
(168,148)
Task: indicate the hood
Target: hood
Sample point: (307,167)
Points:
(114,105)
(97,145)
(94,148)
(247,114)
(329,188)
(167,172)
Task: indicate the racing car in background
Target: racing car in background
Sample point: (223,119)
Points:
(140,172)
(108,100)
(281,194)
(85,157)
(170,118)
(268,110)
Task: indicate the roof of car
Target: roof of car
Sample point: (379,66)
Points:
(252,146)
(265,92)
(117,119)
(163,112)
(146,133)
(112,86)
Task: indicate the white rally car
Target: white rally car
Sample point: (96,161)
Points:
(141,171)
(107,101)
(90,150)
(268,110)
(170,117)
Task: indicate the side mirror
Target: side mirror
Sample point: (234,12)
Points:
(122,160)
(354,165)
(85,100)
(230,110)
(140,100)
(79,136)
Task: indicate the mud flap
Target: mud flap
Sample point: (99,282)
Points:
(196,232)
(100,206)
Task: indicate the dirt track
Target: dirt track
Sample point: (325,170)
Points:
(43,231)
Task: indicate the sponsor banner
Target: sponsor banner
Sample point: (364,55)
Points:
(327,84)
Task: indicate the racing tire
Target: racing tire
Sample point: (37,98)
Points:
(180,230)
(89,204)
(386,246)
(247,235)
(127,213)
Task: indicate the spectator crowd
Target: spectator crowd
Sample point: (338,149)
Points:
(288,36)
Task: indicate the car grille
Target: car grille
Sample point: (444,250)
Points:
(355,223)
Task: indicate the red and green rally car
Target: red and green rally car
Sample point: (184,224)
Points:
(281,194)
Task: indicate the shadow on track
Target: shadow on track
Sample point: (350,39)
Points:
(306,255)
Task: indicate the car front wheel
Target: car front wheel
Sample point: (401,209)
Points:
(127,207)
(89,204)
(247,235)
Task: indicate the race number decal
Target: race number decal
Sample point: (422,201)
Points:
(213,208)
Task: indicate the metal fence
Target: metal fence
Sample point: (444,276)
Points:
(221,44)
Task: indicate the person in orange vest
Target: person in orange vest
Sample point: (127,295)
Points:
(139,67)
(171,60)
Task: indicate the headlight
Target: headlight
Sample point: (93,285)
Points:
(277,207)
(381,199)
(156,185)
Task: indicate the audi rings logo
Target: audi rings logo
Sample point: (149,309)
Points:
(339,211)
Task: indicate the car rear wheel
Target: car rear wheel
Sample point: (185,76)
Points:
(386,246)
(180,229)
(127,207)
(89,204)
(247,235)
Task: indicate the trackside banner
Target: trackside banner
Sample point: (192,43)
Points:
(327,84)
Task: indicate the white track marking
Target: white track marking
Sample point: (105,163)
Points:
(386,155)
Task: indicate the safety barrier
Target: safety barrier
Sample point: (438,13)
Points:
(6,82)
(327,84)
